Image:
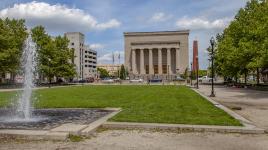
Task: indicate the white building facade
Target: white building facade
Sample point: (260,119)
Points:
(85,59)
(156,54)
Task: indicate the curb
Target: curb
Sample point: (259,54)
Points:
(242,120)
(34,134)
(61,132)
(182,127)
(94,125)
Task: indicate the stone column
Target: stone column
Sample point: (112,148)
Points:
(151,67)
(134,65)
(178,60)
(169,61)
(160,61)
(142,69)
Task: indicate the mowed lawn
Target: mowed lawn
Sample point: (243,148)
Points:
(151,104)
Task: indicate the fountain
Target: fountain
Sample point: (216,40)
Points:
(28,64)
(22,111)
(24,116)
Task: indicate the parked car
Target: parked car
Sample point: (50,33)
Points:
(82,81)
(117,80)
(178,78)
(136,81)
(155,80)
(107,80)
(90,80)
(205,79)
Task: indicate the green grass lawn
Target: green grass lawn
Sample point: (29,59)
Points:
(161,104)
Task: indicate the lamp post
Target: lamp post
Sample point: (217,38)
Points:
(212,42)
(168,72)
(49,78)
(191,75)
(197,68)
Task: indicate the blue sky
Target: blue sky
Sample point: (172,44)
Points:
(104,21)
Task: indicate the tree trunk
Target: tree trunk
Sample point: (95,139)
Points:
(245,78)
(258,76)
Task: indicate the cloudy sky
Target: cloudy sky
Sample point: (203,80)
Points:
(104,21)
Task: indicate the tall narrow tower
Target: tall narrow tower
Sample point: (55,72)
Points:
(195,56)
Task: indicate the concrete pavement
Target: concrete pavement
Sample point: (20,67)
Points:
(253,104)
(147,140)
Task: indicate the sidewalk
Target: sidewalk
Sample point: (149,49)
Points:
(253,104)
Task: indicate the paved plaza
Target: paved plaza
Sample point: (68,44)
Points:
(253,104)
(145,140)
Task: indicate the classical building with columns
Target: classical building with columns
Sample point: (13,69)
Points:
(156,54)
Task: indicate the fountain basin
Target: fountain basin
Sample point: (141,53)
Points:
(45,119)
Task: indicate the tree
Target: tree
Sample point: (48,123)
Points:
(63,60)
(103,72)
(122,72)
(242,47)
(46,50)
(12,36)
(54,56)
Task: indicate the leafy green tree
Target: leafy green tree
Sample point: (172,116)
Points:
(122,72)
(12,36)
(103,72)
(63,60)
(46,52)
(55,58)
(242,47)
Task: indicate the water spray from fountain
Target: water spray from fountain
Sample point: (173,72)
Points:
(28,64)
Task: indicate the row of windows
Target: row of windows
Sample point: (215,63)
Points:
(81,44)
(92,70)
(90,66)
(90,61)
(90,57)
(91,52)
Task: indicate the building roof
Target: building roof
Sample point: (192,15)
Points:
(74,33)
(156,33)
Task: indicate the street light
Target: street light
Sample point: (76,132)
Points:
(212,42)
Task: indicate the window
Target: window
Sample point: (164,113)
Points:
(72,43)
(94,66)
(85,65)
(85,51)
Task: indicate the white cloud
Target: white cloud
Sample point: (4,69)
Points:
(199,23)
(96,46)
(56,17)
(108,58)
(110,24)
(159,17)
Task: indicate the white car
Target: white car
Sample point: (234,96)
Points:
(108,80)
(136,81)
(205,79)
